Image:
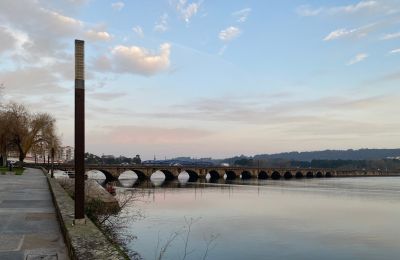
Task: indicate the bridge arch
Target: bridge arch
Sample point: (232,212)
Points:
(109,176)
(288,175)
(319,175)
(230,175)
(310,175)
(328,174)
(193,176)
(299,175)
(245,175)
(141,175)
(263,175)
(168,174)
(214,175)
(275,175)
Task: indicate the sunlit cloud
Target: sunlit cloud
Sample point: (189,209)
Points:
(98,36)
(229,34)
(135,60)
(358,58)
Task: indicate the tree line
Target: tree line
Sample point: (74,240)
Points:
(379,164)
(22,131)
(110,159)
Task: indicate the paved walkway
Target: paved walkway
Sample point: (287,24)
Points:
(29,228)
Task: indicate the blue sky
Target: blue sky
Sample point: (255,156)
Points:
(210,78)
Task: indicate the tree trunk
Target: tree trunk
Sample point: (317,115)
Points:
(21,154)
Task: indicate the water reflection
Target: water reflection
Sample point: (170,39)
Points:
(272,219)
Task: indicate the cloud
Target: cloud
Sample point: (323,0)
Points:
(358,58)
(107,96)
(187,10)
(31,80)
(395,51)
(98,36)
(128,134)
(7,40)
(43,33)
(391,36)
(349,9)
(349,33)
(162,23)
(117,6)
(242,15)
(229,34)
(138,30)
(135,60)
(306,10)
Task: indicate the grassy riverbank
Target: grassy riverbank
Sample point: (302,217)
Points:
(16,171)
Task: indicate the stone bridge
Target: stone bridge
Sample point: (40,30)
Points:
(112,172)
(195,172)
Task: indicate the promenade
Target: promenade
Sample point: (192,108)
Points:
(29,228)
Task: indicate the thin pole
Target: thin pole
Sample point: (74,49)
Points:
(79,132)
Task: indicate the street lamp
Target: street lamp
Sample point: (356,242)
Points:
(79,132)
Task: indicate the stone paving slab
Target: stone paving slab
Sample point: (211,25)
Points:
(26,204)
(11,242)
(29,228)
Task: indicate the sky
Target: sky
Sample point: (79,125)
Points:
(209,78)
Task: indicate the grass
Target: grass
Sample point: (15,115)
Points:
(16,171)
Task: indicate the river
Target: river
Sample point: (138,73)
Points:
(327,218)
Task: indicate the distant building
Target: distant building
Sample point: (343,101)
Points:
(65,154)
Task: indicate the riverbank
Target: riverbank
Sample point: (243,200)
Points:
(84,241)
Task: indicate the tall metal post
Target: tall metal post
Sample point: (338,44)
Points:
(79,132)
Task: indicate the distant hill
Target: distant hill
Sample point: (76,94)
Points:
(362,154)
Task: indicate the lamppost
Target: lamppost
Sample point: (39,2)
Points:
(79,132)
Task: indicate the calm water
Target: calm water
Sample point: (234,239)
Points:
(335,218)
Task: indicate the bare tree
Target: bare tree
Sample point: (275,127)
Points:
(28,129)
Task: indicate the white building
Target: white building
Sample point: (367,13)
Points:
(65,154)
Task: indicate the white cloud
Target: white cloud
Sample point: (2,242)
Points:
(391,36)
(135,60)
(395,51)
(358,58)
(138,30)
(162,23)
(355,7)
(187,10)
(98,36)
(306,10)
(117,6)
(229,34)
(348,33)
(242,15)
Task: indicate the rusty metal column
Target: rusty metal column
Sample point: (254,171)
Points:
(79,132)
